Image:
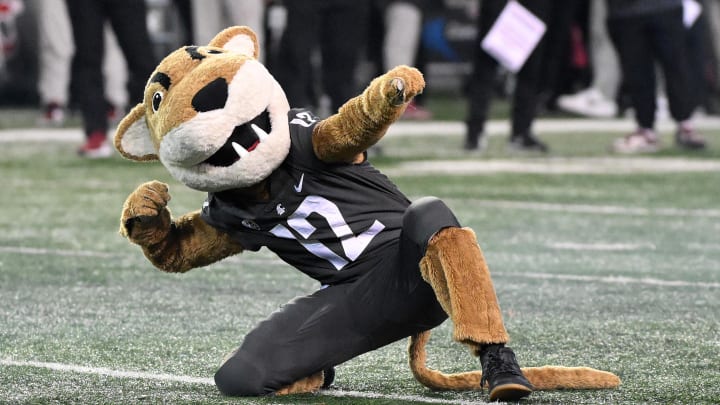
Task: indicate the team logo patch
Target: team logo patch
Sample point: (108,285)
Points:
(247,223)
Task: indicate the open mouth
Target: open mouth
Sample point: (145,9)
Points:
(243,140)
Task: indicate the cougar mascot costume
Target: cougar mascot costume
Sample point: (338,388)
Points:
(302,187)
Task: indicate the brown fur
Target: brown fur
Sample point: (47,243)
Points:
(303,385)
(172,245)
(454,264)
(455,268)
(363,120)
(180,73)
(542,378)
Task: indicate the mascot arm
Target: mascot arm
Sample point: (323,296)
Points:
(172,245)
(363,120)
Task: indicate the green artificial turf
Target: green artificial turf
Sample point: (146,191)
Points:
(615,271)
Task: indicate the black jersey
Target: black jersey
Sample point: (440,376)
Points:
(331,221)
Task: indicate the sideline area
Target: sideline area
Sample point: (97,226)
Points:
(500,127)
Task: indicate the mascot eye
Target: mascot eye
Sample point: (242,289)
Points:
(214,51)
(156,100)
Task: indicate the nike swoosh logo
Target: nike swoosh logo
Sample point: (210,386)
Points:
(298,187)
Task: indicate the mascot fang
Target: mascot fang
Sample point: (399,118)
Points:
(284,179)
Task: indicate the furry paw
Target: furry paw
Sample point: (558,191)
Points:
(145,218)
(404,84)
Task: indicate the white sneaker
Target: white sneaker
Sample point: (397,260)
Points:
(96,146)
(589,102)
(641,141)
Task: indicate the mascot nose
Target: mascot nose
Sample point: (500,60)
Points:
(212,96)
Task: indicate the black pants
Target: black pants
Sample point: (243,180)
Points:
(337,27)
(481,81)
(127,18)
(343,321)
(642,41)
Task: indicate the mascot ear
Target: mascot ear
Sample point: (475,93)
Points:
(239,39)
(132,138)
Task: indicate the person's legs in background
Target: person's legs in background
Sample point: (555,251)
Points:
(669,43)
(206,20)
(703,58)
(564,61)
(87,17)
(630,37)
(480,81)
(598,100)
(527,88)
(344,29)
(403,24)
(480,86)
(116,77)
(250,13)
(712,10)
(127,18)
(56,51)
(293,68)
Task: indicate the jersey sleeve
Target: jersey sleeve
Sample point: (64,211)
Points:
(302,154)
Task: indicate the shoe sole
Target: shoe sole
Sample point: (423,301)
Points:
(509,392)
(96,154)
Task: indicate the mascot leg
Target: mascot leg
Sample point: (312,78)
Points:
(229,380)
(454,266)
(304,385)
(322,379)
(456,269)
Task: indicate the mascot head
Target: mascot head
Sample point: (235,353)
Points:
(213,115)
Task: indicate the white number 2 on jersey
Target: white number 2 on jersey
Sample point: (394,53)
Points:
(304,119)
(352,245)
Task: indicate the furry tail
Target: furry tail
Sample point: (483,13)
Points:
(542,378)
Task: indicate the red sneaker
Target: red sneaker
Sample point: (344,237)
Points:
(53,115)
(643,140)
(95,146)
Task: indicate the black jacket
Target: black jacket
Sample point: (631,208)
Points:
(635,8)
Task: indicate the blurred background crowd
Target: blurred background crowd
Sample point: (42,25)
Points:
(92,57)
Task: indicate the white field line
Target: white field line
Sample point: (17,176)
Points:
(594,209)
(108,372)
(412,398)
(41,135)
(607,165)
(414,129)
(55,252)
(703,246)
(601,247)
(540,126)
(88,253)
(609,279)
(71,368)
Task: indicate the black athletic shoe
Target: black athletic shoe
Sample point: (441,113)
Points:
(502,373)
(475,144)
(328,377)
(527,143)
